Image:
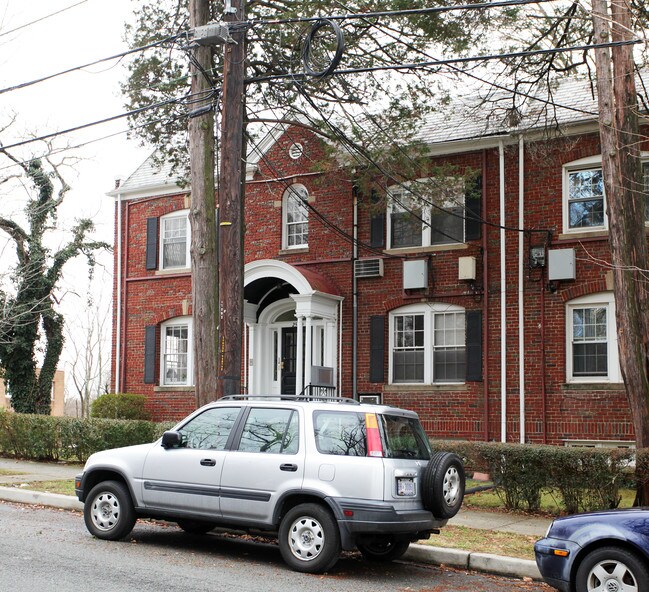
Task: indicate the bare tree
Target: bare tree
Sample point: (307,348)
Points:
(88,344)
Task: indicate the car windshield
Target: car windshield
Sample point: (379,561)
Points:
(404,438)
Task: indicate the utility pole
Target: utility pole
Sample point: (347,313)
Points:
(619,133)
(202,214)
(231,197)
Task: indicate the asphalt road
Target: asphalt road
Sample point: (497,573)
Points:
(51,550)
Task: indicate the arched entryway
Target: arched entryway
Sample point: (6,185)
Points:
(292,329)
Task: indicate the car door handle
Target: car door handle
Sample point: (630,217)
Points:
(208,462)
(288,467)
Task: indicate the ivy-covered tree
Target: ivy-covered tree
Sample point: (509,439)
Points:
(28,311)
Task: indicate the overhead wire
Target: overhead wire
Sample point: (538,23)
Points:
(38,20)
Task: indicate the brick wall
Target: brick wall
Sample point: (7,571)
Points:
(554,409)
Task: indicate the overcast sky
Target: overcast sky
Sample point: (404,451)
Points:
(91,30)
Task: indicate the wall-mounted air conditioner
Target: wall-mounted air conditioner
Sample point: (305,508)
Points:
(322,376)
(368,268)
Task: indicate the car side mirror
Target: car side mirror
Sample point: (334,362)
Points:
(171,439)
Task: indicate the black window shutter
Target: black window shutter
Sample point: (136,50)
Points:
(377,222)
(377,348)
(151,243)
(377,231)
(150,342)
(474,345)
(473,209)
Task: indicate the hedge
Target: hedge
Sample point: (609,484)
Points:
(585,479)
(42,437)
(120,406)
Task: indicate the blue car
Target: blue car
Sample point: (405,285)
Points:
(597,552)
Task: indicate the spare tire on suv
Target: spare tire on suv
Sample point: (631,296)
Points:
(443,483)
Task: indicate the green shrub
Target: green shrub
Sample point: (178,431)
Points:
(42,437)
(585,479)
(120,406)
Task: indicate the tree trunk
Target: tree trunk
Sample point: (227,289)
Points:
(53,326)
(619,129)
(231,197)
(202,217)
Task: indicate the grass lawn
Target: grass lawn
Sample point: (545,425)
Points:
(484,541)
(550,501)
(64,487)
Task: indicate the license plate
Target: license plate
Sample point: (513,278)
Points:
(406,487)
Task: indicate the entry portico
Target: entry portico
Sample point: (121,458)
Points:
(293,329)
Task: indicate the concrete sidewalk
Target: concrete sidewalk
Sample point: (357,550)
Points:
(24,472)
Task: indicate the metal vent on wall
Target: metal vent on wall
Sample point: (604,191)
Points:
(368,268)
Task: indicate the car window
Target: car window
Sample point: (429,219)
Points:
(209,430)
(270,430)
(340,433)
(404,437)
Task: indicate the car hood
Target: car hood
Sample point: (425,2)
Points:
(129,458)
(623,524)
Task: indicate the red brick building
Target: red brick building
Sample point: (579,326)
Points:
(481,299)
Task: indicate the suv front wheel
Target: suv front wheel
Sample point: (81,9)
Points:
(309,539)
(108,512)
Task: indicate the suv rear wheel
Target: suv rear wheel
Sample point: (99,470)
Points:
(443,485)
(382,548)
(309,539)
(195,526)
(108,512)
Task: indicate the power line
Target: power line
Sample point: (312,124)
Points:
(189,98)
(417,65)
(38,20)
(94,63)
(408,12)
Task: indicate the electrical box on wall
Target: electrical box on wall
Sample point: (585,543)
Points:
(561,264)
(466,268)
(415,274)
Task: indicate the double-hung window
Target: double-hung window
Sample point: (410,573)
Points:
(425,213)
(585,197)
(174,241)
(176,362)
(592,339)
(295,217)
(428,344)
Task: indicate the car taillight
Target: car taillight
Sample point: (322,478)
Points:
(374,446)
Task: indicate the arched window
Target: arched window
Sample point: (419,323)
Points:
(295,217)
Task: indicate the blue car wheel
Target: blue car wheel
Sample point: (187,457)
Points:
(612,569)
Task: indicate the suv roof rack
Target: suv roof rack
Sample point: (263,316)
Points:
(308,398)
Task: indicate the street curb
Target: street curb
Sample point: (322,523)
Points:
(27,496)
(484,562)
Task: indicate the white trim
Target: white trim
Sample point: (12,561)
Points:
(450,202)
(163,219)
(503,298)
(428,310)
(184,321)
(603,299)
(521,289)
(291,193)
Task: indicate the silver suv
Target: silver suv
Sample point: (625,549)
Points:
(322,475)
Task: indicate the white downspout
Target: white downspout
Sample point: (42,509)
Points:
(118,331)
(521,267)
(503,302)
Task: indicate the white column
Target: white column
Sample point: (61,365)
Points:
(308,350)
(252,383)
(299,368)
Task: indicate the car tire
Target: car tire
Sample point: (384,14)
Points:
(195,526)
(108,511)
(605,567)
(383,548)
(443,483)
(309,540)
